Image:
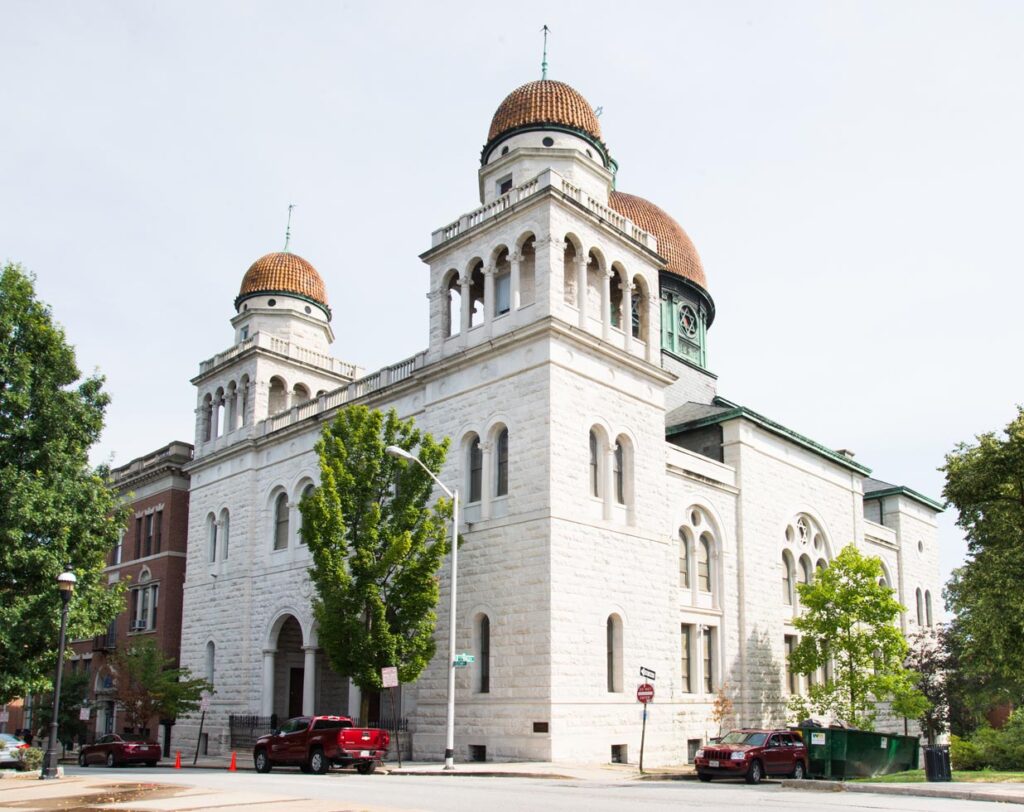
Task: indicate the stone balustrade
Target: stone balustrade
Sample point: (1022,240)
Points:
(293,351)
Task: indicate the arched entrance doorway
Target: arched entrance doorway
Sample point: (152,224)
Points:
(297,680)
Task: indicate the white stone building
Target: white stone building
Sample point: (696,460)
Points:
(618,512)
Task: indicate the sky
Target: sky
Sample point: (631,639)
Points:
(850,172)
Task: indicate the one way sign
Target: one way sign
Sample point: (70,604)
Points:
(647,673)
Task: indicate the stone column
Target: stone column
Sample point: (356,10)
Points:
(488,297)
(467,307)
(308,680)
(627,316)
(581,290)
(653,335)
(606,305)
(267,705)
(514,260)
(486,481)
(609,479)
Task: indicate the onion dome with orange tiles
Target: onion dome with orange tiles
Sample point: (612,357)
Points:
(674,244)
(545,105)
(285,274)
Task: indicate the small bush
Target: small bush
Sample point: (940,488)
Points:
(31,758)
(964,755)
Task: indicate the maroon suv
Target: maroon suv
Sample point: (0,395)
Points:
(753,754)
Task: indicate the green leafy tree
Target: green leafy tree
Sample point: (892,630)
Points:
(985,483)
(376,546)
(55,511)
(74,691)
(148,686)
(849,619)
(971,691)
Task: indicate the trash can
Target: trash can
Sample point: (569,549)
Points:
(936,763)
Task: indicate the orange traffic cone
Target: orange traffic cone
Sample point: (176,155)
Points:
(232,767)
(177,759)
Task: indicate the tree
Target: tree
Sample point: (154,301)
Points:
(928,703)
(985,482)
(721,709)
(74,691)
(376,546)
(849,620)
(55,512)
(147,685)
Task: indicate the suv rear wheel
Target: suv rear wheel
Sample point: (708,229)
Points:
(317,762)
(754,772)
(261,762)
(798,771)
(365,767)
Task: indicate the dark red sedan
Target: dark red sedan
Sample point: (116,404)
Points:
(114,751)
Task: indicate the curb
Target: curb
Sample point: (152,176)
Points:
(924,791)
(480,774)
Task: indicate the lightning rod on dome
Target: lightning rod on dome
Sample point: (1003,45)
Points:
(288,228)
(544,59)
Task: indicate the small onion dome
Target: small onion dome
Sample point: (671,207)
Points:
(285,274)
(545,105)
(673,243)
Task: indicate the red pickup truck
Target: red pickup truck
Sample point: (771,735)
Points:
(314,743)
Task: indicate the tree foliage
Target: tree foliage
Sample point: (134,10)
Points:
(55,511)
(147,685)
(74,691)
(376,545)
(928,659)
(985,483)
(849,621)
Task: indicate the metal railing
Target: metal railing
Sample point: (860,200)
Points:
(245,729)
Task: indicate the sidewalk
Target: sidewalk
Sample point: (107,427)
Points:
(1007,793)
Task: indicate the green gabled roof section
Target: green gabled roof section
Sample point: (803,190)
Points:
(691,416)
(877,489)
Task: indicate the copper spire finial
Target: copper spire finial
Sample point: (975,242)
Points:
(544,59)
(288,228)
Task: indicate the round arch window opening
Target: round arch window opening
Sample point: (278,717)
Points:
(548,141)
(271,302)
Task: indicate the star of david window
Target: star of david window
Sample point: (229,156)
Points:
(688,321)
(803,529)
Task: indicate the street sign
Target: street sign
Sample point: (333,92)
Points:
(647,674)
(389,677)
(645,693)
(463,660)
(83,715)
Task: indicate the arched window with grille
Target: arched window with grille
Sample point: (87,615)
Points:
(704,563)
(281,521)
(501,472)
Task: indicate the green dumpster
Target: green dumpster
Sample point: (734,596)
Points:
(842,753)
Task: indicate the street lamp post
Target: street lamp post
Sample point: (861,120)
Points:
(453,494)
(66,582)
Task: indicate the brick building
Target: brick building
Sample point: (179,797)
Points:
(151,557)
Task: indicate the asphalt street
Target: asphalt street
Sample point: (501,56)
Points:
(291,790)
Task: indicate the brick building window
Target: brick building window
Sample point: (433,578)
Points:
(144,607)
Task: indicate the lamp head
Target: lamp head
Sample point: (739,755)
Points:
(66,581)
(401,453)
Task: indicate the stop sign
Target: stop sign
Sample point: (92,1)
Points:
(645,693)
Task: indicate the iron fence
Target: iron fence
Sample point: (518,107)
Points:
(245,729)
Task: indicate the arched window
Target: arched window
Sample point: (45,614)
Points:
(211,538)
(684,558)
(618,473)
(527,271)
(476,294)
(616,286)
(211,654)
(569,272)
(920,608)
(476,469)
(928,607)
(502,284)
(243,386)
(595,468)
(307,491)
(787,578)
(452,313)
(281,522)
(821,565)
(501,478)
(613,646)
(278,400)
(483,657)
(300,394)
(225,533)
(218,413)
(207,418)
(806,570)
(704,563)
